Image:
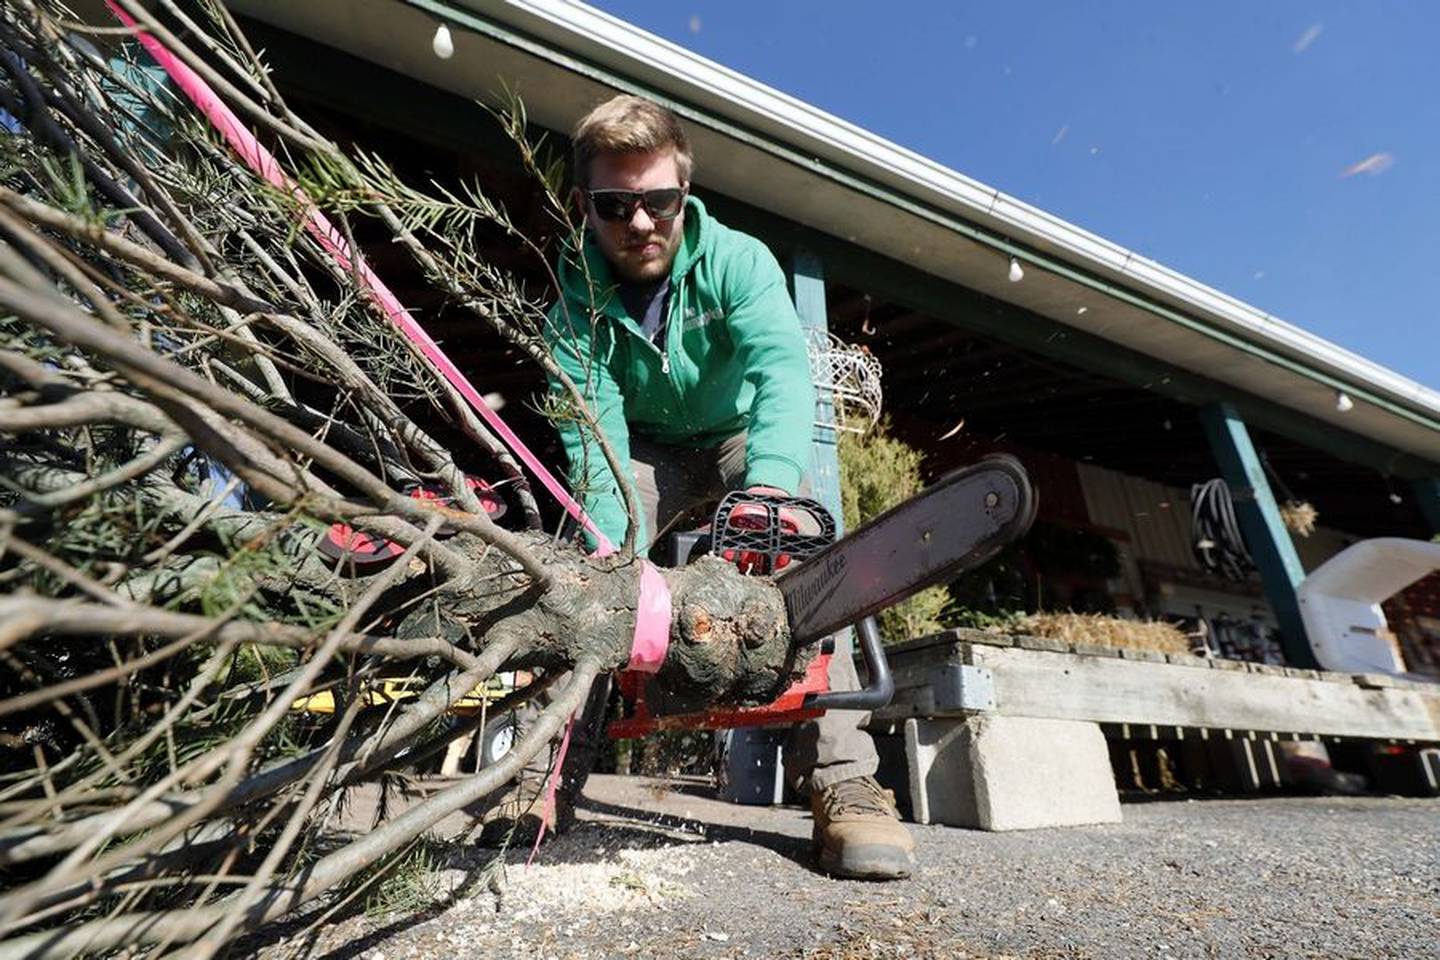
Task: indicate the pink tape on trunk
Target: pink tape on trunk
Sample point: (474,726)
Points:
(652,621)
(263,162)
(647,653)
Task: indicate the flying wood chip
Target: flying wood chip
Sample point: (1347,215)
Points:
(954,430)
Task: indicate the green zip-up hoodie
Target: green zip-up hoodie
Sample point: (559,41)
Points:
(734,359)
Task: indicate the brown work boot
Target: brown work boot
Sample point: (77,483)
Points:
(858,833)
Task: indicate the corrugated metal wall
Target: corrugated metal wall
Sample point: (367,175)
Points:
(1156,520)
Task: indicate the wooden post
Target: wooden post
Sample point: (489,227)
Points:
(1427,494)
(1265,534)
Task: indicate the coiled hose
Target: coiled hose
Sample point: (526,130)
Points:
(1217,541)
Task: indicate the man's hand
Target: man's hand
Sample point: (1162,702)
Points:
(755,517)
(767,491)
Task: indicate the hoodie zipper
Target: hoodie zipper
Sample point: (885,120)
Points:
(662,335)
(677,302)
(677,297)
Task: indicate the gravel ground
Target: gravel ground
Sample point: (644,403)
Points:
(657,869)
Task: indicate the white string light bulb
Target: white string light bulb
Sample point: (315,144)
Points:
(1016,272)
(1343,403)
(443,44)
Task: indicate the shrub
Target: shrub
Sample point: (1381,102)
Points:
(878,471)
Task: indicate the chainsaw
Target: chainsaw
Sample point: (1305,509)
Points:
(829,584)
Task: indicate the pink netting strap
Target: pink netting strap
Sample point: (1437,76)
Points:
(547,812)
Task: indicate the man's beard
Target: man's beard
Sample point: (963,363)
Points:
(648,270)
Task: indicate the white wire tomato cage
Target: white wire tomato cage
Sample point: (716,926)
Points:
(849,376)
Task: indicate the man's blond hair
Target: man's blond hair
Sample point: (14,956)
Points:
(628,124)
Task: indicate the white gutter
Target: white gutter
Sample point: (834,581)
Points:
(632,52)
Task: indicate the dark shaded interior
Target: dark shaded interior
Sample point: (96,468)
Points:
(937,374)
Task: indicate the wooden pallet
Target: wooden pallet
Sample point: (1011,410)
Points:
(969,672)
(966,735)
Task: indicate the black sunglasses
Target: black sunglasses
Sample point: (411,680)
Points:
(662,204)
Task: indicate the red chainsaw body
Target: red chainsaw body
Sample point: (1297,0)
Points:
(786,709)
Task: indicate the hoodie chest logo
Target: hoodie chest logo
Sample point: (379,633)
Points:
(700,318)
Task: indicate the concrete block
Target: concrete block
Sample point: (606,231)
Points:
(1009,773)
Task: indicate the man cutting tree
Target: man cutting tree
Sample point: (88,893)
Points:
(684,340)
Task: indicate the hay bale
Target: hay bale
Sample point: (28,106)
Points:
(1102,631)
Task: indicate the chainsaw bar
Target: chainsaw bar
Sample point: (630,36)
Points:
(955,525)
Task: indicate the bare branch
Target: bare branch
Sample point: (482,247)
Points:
(213,573)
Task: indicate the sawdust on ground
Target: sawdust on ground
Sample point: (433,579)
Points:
(669,874)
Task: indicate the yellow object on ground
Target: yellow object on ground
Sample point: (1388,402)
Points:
(393,690)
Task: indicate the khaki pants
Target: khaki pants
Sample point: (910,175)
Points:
(674,481)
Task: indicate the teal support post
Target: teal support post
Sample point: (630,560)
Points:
(1265,534)
(808,277)
(807,274)
(1427,494)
